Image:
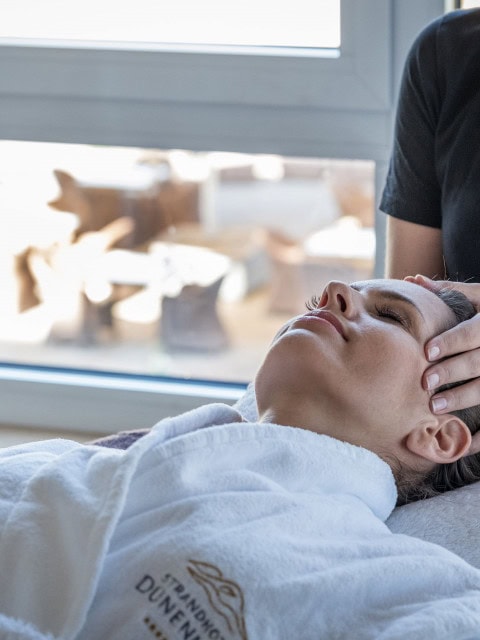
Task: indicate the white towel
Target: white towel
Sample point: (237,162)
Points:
(237,530)
(451,520)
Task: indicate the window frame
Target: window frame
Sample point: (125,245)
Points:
(206,100)
(300,105)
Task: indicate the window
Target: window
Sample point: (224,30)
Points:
(265,23)
(289,105)
(170,263)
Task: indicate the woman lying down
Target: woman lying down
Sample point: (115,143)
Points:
(209,527)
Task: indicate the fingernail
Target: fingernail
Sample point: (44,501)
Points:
(432,381)
(433,353)
(439,404)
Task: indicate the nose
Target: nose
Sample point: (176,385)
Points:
(340,298)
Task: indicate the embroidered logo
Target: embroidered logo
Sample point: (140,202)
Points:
(195,608)
(225,596)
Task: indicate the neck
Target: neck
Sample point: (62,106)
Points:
(293,417)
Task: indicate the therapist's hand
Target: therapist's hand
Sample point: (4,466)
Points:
(461,348)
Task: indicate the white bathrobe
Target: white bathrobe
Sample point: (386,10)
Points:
(212,528)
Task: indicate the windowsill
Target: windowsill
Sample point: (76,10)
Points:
(162,47)
(46,398)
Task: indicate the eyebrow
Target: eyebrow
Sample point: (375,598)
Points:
(394,295)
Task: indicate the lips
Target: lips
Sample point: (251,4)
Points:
(328,316)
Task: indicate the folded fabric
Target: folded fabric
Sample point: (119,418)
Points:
(210,527)
(451,520)
(12,629)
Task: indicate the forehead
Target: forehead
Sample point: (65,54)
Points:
(435,313)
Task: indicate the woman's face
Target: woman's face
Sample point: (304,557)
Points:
(352,366)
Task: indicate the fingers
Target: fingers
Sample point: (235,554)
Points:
(465,366)
(462,367)
(463,337)
(469,289)
(428,283)
(459,352)
(461,397)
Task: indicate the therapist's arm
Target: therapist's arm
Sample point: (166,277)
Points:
(413,248)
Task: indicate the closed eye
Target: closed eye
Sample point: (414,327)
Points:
(385,311)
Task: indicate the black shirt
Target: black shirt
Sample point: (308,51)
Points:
(434,173)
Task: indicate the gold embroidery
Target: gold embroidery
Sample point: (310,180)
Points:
(225,596)
(153,628)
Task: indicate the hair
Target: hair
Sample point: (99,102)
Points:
(413,486)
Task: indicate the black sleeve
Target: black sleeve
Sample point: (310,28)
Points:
(412,191)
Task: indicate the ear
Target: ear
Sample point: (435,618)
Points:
(442,440)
